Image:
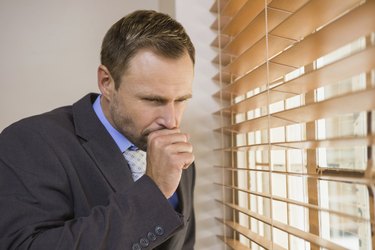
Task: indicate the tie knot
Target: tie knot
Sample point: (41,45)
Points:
(137,162)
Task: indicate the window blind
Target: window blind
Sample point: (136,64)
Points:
(296,84)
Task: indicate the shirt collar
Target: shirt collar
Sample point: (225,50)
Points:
(122,142)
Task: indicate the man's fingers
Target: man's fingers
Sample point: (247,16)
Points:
(168,137)
(182,160)
(173,138)
(168,153)
(188,159)
(180,147)
(162,132)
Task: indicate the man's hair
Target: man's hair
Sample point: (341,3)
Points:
(143,29)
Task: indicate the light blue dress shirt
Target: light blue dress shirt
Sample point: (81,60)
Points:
(122,142)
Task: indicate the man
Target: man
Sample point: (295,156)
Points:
(67,181)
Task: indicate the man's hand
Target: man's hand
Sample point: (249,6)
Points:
(168,153)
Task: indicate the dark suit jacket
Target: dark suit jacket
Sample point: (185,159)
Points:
(64,184)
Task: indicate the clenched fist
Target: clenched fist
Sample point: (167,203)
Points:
(168,153)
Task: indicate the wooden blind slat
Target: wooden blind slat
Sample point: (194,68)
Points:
(256,55)
(248,147)
(340,142)
(234,244)
(349,103)
(247,13)
(225,77)
(225,60)
(342,175)
(222,96)
(260,240)
(232,7)
(257,78)
(361,62)
(254,31)
(300,204)
(259,100)
(359,101)
(257,124)
(224,40)
(306,20)
(351,26)
(288,5)
(343,142)
(286,228)
(224,20)
(352,65)
(223,112)
(215,7)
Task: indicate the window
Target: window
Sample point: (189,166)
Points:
(296,83)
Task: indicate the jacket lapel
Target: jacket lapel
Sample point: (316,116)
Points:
(99,144)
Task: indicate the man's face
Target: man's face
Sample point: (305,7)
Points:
(152,95)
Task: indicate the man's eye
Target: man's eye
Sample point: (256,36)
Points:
(152,100)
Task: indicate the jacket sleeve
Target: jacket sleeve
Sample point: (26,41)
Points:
(37,209)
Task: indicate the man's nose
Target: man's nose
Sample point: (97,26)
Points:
(169,116)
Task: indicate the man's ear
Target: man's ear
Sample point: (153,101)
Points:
(106,83)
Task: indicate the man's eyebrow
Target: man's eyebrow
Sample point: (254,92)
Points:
(185,97)
(163,99)
(153,97)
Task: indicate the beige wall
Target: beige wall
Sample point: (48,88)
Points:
(199,122)
(50,51)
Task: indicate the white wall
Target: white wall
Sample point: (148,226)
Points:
(50,51)
(49,57)
(199,122)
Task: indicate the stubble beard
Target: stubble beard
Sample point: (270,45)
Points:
(126,126)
